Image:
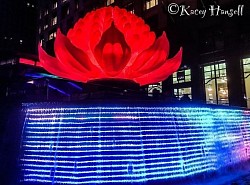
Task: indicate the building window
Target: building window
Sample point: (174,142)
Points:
(41,41)
(180,79)
(77,4)
(54,21)
(40,14)
(155,88)
(182,76)
(150,3)
(246,70)
(180,92)
(45,26)
(8,62)
(52,35)
(215,80)
(65,10)
(54,6)
(46,12)
(109,2)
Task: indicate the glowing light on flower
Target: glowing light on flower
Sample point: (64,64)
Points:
(111,43)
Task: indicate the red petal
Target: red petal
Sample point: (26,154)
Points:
(163,72)
(76,61)
(53,66)
(150,59)
(87,32)
(137,33)
(89,52)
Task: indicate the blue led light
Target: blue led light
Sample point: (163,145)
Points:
(93,145)
(75,85)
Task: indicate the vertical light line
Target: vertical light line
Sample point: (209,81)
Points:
(141,141)
(55,155)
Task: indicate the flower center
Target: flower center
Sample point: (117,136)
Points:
(112,52)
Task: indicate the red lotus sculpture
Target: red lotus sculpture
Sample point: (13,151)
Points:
(111,43)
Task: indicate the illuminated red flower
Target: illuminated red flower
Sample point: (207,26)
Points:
(111,43)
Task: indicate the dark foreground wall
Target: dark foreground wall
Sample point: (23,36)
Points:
(11,122)
(89,144)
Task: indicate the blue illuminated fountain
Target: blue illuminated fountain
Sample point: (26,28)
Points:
(96,144)
(132,142)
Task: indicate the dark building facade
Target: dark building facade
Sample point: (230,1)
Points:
(18,30)
(17,40)
(215,67)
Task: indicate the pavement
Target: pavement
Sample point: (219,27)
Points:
(244,180)
(236,175)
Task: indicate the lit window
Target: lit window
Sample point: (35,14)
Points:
(41,42)
(154,87)
(77,4)
(182,76)
(46,12)
(45,26)
(246,71)
(109,2)
(54,20)
(65,10)
(52,35)
(6,62)
(54,5)
(150,3)
(215,80)
(180,92)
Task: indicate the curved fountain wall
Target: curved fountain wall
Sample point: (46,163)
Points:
(130,144)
